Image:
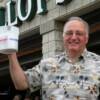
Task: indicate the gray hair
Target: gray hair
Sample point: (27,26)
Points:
(78,19)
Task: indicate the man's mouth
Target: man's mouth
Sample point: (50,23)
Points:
(74,43)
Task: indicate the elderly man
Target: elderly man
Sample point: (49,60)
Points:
(71,75)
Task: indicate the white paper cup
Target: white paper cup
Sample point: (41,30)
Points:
(9,36)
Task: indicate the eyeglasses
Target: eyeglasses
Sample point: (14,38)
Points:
(78,33)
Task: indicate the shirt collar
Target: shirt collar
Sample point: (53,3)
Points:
(83,55)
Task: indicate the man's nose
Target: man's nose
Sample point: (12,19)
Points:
(74,35)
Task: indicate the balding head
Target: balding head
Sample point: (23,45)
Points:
(86,26)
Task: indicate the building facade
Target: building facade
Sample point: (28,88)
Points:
(41,23)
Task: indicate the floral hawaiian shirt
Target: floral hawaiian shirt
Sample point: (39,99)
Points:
(59,79)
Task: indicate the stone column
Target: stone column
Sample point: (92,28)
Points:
(3,3)
(52,43)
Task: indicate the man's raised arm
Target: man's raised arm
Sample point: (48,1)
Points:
(17,73)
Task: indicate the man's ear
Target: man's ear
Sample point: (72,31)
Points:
(87,39)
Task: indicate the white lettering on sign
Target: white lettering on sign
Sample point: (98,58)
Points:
(24,10)
(9,15)
(39,7)
(21,16)
(59,1)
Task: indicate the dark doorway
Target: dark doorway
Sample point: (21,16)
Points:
(93,18)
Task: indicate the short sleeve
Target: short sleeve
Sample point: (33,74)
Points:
(34,78)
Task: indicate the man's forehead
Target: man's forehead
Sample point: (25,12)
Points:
(74,22)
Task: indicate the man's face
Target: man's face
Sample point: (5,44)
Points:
(75,37)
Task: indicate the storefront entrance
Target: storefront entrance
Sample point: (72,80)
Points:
(30,53)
